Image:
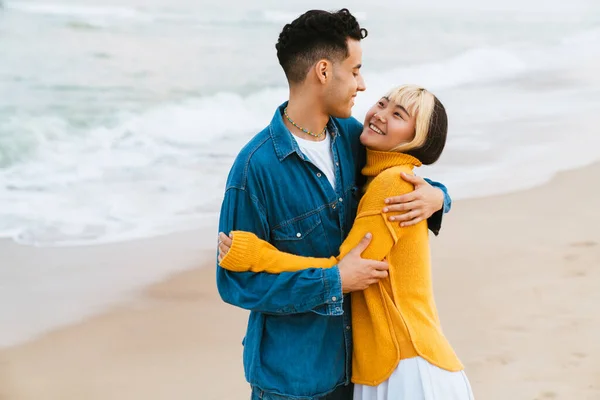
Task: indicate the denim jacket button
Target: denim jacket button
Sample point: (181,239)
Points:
(341,200)
(319,174)
(298,234)
(334,298)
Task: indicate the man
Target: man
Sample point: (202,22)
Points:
(296,184)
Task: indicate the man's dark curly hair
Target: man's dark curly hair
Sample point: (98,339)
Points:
(313,36)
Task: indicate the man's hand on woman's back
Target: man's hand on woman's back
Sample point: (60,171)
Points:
(359,273)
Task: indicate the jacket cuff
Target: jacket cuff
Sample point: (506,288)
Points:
(333,300)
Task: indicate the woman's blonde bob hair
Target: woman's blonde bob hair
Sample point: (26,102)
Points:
(431,123)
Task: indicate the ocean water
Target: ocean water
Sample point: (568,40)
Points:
(120,120)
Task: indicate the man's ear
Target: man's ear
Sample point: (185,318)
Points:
(323,70)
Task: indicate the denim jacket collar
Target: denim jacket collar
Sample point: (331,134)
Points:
(283,139)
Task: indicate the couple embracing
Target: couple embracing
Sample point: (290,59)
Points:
(324,233)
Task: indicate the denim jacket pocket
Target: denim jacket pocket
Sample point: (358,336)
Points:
(302,235)
(298,228)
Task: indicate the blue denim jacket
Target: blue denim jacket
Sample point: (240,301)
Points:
(298,342)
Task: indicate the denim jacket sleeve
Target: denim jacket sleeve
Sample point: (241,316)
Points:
(314,289)
(435,221)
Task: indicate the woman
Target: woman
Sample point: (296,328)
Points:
(400,352)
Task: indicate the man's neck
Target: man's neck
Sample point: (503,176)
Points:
(306,113)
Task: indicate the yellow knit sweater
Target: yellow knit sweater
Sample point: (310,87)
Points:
(394,319)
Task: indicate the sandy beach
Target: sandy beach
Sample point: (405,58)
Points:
(517,281)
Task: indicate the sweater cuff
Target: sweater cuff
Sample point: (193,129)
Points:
(243,254)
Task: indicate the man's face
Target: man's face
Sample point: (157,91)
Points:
(346,82)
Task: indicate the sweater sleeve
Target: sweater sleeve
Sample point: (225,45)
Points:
(249,253)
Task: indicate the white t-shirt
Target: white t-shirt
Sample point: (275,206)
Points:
(319,153)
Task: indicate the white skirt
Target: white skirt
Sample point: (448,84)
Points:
(416,379)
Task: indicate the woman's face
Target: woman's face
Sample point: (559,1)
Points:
(387,125)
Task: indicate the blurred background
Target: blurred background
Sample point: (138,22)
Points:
(119,122)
